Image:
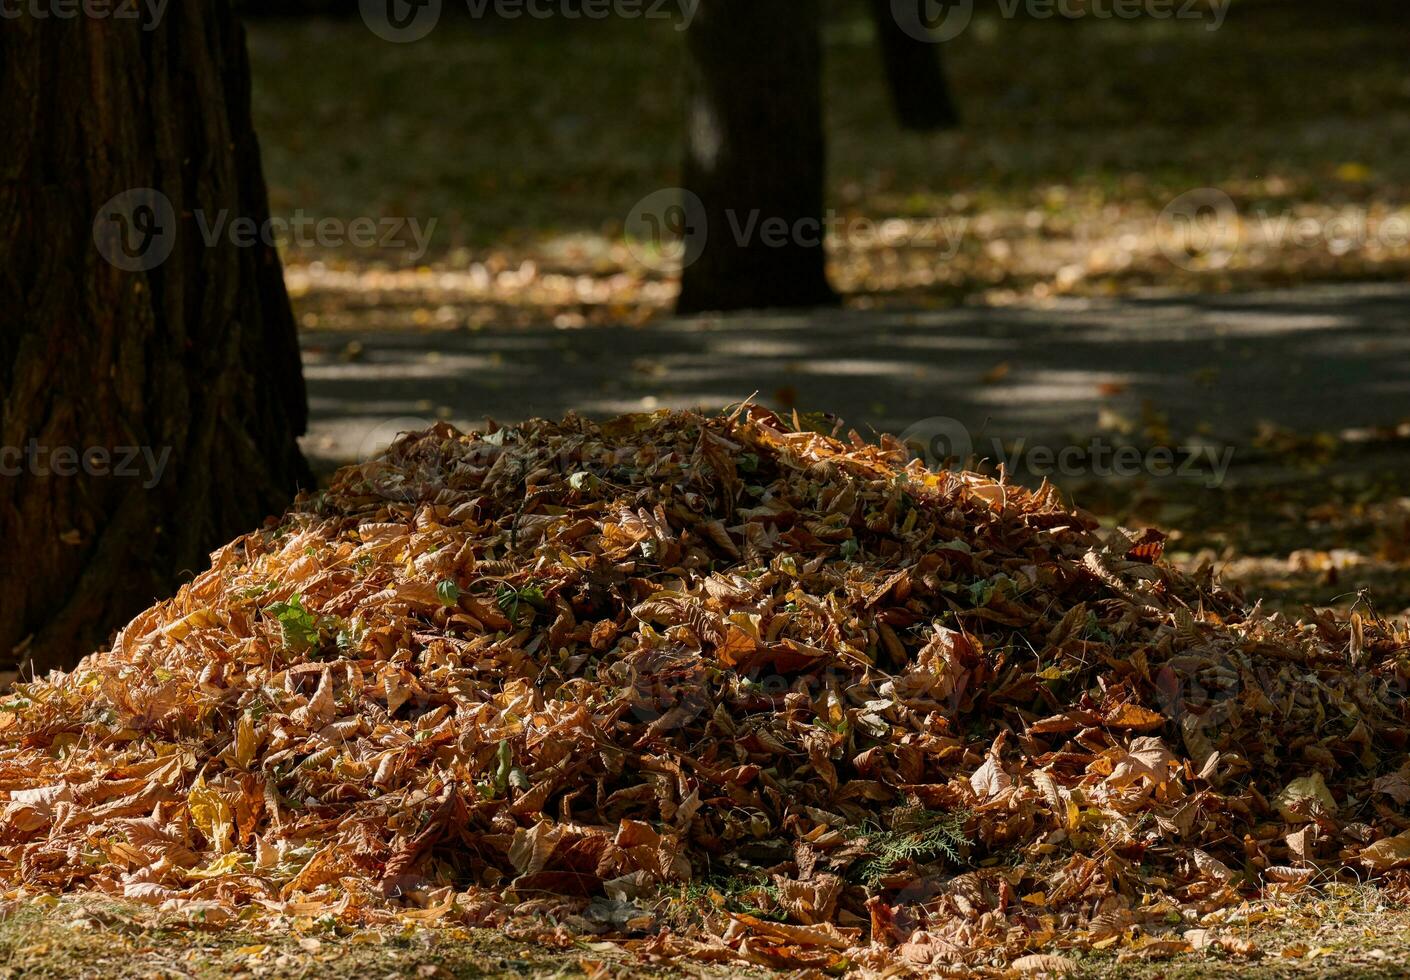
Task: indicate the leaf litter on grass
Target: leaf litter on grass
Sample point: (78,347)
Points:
(713,687)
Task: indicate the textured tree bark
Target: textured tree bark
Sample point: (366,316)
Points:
(755,156)
(915,74)
(195,357)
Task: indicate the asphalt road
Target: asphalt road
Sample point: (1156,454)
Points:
(1205,367)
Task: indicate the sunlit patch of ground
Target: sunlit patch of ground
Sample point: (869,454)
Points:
(529,143)
(1331,930)
(87,936)
(1335,930)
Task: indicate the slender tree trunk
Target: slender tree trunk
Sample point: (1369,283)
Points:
(915,74)
(755,156)
(124,329)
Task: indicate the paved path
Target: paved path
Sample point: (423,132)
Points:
(1324,358)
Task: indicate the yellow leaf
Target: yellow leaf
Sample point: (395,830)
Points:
(1308,787)
(200,619)
(211,815)
(246,742)
(1135,717)
(231,863)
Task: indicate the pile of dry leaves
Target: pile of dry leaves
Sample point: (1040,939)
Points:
(714,687)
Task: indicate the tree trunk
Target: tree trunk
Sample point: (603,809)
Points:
(755,157)
(109,343)
(914,73)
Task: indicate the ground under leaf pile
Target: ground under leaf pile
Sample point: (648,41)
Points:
(714,687)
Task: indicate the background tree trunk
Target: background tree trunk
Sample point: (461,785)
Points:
(196,354)
(755,156)
(914,73)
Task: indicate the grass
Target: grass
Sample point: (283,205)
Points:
(1333,930)
(102,938)
(110,939)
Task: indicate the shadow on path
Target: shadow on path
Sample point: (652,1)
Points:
(1324,359)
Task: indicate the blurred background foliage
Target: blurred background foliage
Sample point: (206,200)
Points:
(529,141)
